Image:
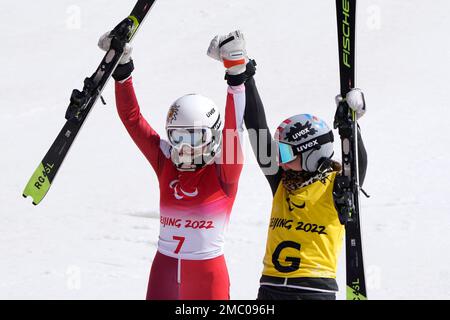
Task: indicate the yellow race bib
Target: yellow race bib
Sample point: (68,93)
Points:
(305,234)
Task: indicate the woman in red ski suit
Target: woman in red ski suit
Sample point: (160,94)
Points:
(196,192)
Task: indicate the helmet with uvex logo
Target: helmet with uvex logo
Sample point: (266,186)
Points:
(307,136)
(194,130)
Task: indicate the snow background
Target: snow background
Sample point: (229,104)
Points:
(94,236)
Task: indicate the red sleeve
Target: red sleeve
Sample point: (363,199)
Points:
(140,131)
(232,157)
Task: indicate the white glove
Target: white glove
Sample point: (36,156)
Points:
(105,42)
(355,100)
(230,49)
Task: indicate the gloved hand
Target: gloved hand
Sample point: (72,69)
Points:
(230,49)
(125,68)
(355,100)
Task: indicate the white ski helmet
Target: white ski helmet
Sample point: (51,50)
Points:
(194,130)
(307,136)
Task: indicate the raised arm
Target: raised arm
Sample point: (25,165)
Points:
(356,101)
(147,140)
(362,159)
(243,95)
(261,139)
(230,50)
(140,131)
(231,160)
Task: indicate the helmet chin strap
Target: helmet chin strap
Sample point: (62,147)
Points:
(187,167)
(190,164)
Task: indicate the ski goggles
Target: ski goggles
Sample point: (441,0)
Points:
(193,137)
(286,152)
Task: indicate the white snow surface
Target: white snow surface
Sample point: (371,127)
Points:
(94,235)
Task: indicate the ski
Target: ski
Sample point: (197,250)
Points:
(81,103)
(345,121)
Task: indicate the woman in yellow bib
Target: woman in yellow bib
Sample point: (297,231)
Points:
(306,231)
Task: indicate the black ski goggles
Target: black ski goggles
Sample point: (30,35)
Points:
(288,152)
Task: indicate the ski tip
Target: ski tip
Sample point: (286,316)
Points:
(24,195)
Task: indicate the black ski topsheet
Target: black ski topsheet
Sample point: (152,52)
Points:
(81,103)
(346,20)
(345,120)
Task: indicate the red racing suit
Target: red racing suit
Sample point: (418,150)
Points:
(194,206)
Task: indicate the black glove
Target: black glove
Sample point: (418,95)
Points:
(235,80)
(123,71)
(125,66)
